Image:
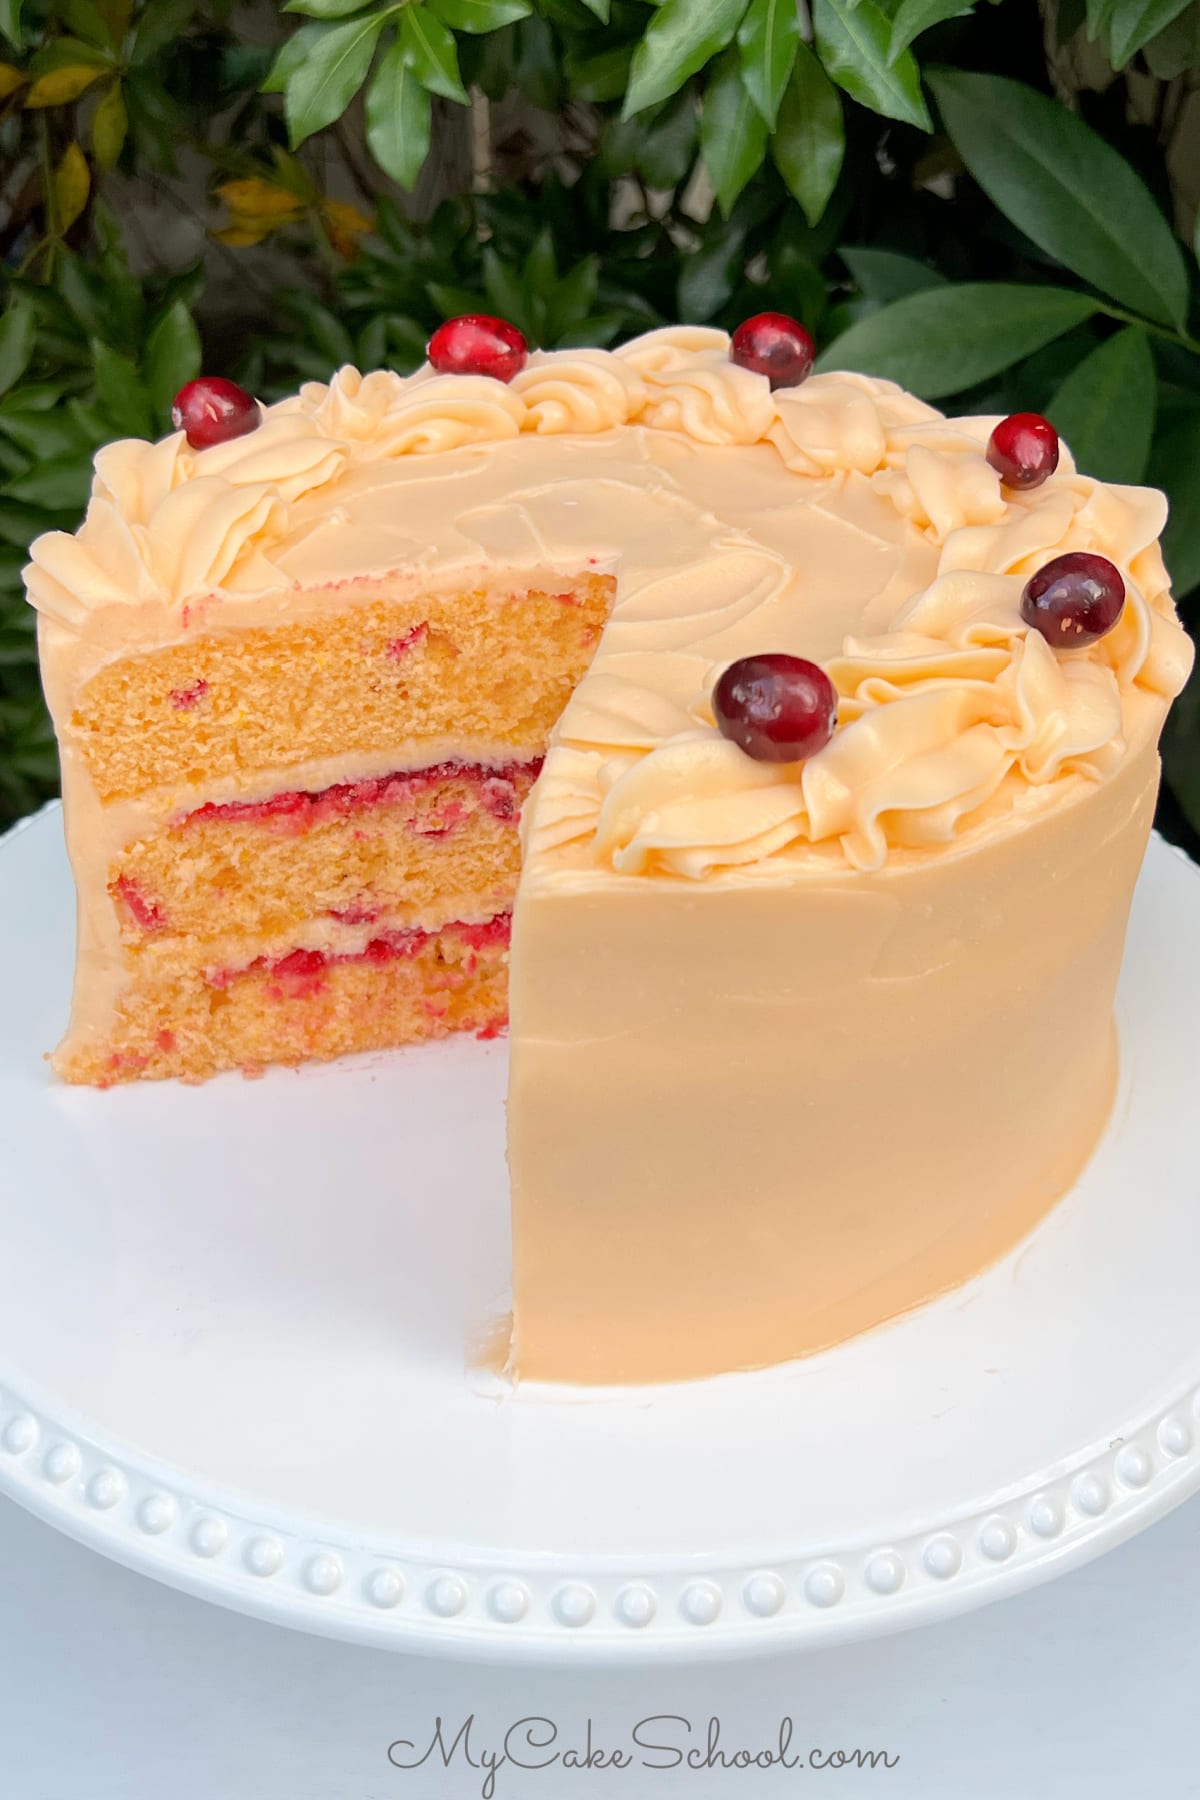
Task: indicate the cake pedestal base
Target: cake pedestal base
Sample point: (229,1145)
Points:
(231,1356)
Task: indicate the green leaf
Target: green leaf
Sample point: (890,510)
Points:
(1175,466)
(1105,408)
(1068,17)
(325,9)
(885,275)
(10,22)
(33,397)
(431,53)
(68,53)
(480,15)
(709,275)
(1135,22)
(323,330)
(1177,48)
(1099,15)
(912,17)
(601,8)
(370,349)
(171,357)
(40,435)
(948,338)
(85,20)
(161,23)
(572,300)
(810,139)
(853,41)
(120,394)
(110,122)
(61,483)
(733,133)
(767,39)
(330,75)
(601,77)
(682,36)
(399,118)
(1065,188)
(504,288)
(18,335)
(667,146)
(292,56)
(453,302)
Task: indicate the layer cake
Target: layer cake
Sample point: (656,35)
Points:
(794,1045)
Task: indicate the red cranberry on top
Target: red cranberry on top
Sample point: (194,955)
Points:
(477,344)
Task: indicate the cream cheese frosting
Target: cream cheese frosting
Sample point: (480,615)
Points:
(951,709)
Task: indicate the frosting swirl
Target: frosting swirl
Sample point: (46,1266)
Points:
(937,714)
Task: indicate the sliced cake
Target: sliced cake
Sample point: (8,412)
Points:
(831,724)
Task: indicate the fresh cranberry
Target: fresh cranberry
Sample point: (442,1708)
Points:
(776,708)
(212,410)
(478,345)
(773,345)
(1023,450)
(1074,599)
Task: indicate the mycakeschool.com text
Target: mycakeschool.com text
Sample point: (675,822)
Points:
(658,1742)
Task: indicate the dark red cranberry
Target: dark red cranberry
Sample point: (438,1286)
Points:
(776,708)
(1023,450)
(212,410)
(1074,599)
(773,345)
(478,345)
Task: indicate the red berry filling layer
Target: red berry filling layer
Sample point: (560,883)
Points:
(301,970)
(297,811)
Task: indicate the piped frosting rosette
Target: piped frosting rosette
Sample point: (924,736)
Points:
(956,703)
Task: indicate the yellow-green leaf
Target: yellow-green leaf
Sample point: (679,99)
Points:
(260,199)
(10,80)
(72,185)
(58,87)
(110,122)
(247,232)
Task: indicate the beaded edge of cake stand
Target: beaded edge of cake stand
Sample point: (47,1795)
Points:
(290,1572)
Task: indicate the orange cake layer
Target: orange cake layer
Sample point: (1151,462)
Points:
(401,987)
(419,847)
(478,667)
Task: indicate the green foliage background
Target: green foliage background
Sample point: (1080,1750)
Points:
(992,202)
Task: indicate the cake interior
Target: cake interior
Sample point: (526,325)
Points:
(309,833)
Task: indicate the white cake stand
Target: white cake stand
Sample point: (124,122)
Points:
(231,1355)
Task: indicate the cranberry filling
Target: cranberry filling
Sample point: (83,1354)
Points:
(389,946)
(298,811)
(145,913)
